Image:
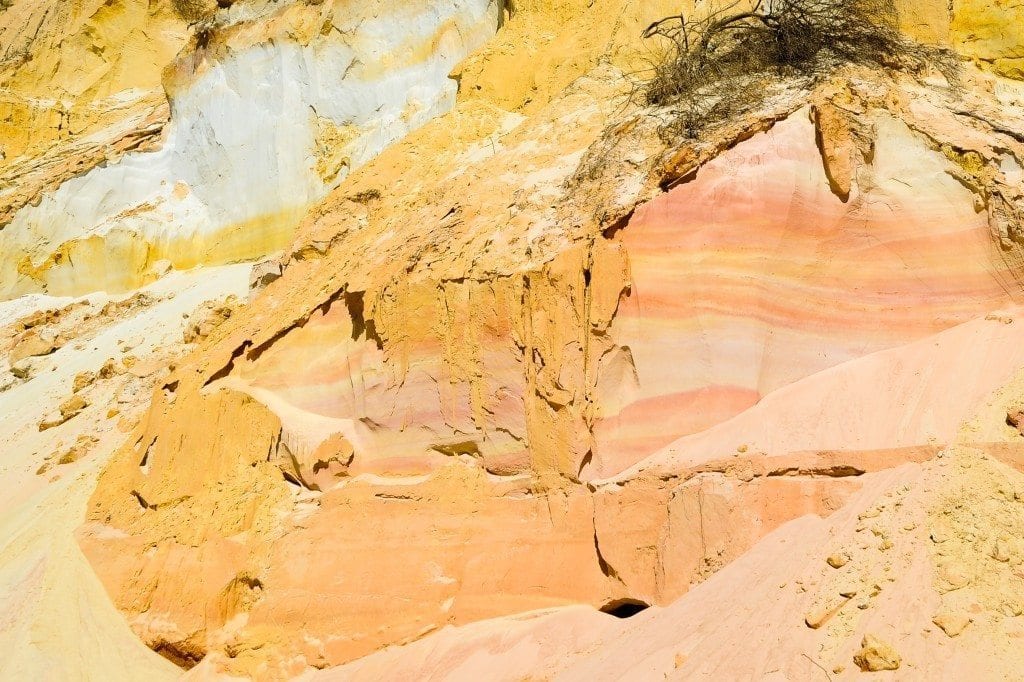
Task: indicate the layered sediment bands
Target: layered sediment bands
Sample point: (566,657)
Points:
(813,441)
(539,353)
(440,423)
(757,274)
(26,179)
(761,602)
(500,370)
(269,111)
(79,88)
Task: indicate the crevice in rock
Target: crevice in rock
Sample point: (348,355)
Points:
(819,141)
(275,443)
(618,224)
(144,462)
(506,6)
(673,181)
(585,462)
(996,127)
(836,471)
(362,328)
(607,569)
(227,369)
(181,654)
(170,391)
(290,478)
(141,500)
(254,353)
(292,473)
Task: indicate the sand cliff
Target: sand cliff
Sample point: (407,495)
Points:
(510,350)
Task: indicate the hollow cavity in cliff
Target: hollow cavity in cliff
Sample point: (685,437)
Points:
(624,608)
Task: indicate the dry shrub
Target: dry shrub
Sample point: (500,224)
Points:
(714,67)
(194,10)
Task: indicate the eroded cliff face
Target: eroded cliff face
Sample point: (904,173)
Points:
(918,569)
(272,105)
(656,356)
(76,377)
(73,69)
(532,355)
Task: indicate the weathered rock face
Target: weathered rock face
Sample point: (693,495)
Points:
(642,342)
(72,69)
(905,530)
(755,275)
(533,355)
(442,415)
(271,108)
(991,32)
(64,412)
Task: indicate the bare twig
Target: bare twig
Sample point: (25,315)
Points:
(818,665)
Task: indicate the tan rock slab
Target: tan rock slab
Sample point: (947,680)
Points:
(875,655)
(951,622)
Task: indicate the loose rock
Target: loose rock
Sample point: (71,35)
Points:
(838,560)
(952,623)
(876,655)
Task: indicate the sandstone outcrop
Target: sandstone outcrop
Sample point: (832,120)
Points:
(218,189)
(876,655)
(76,76)
(58,621)
(598,402)
(523,385)
(756,603)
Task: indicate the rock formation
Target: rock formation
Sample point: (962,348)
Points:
(272,106)
(522,386)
